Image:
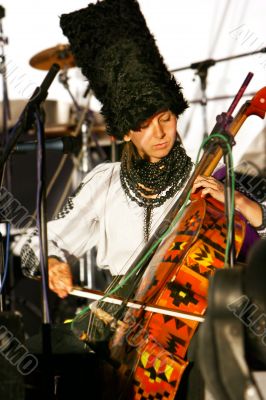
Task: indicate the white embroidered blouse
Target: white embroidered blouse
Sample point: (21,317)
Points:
(99,214)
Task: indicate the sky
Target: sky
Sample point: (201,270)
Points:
(186,32)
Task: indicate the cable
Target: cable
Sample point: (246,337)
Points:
(232,173)
(6,257)
(40,188)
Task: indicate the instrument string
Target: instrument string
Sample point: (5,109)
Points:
(119,282)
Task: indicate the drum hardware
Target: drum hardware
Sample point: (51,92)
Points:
(85,120)
(59,54)
(63,78)
(59,130)
(201,69)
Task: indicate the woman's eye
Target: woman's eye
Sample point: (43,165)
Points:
(144,126)
(165,119)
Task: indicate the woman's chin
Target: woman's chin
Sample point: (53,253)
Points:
(158,155)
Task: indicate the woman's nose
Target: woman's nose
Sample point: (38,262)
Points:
(158,130)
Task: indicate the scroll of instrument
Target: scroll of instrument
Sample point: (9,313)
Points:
(151,353)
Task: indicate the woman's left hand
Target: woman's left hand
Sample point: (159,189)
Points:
(209,185)
(250,209)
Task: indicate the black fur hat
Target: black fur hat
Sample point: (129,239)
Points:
(118,55)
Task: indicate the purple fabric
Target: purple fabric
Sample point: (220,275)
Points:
(251,235)
(219,174)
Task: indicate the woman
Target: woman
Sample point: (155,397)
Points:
(118,205)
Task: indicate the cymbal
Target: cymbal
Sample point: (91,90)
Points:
(59,54)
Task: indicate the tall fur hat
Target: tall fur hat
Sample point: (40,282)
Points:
(118,55)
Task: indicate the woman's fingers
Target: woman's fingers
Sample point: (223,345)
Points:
(209,185)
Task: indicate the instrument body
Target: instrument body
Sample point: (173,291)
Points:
(155,345)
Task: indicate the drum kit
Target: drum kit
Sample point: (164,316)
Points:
(62,55)
(59,54)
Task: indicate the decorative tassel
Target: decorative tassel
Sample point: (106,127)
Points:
(147,222)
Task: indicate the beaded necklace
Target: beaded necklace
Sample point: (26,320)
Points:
(151,184)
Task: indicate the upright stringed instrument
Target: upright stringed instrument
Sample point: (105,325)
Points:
(149,347)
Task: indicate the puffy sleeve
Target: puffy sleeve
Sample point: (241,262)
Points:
(75,230)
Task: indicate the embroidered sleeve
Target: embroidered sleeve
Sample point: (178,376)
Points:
(75,229)
(29,260)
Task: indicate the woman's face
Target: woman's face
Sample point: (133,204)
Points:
(156,136)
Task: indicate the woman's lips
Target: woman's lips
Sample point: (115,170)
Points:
(160,145)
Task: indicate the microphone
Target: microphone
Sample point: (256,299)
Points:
(66,145)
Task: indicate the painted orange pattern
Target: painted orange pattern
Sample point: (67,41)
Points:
(177,277)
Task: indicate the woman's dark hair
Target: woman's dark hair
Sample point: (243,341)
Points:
(129,154)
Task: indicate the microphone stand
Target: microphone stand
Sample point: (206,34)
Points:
(6,105)
(31,113)
(4,134)
(202,68)
(63,78)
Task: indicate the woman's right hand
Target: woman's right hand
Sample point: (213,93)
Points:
(60,277)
